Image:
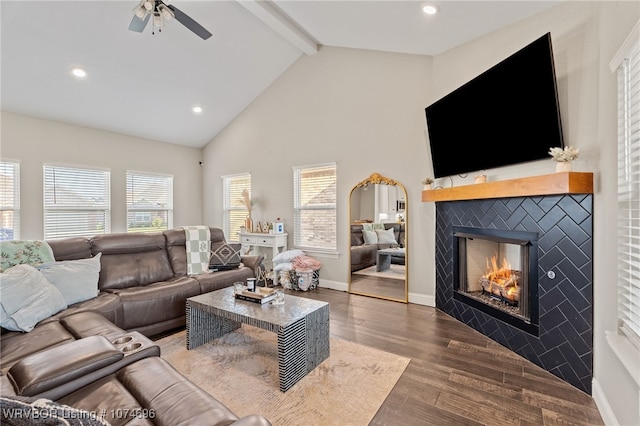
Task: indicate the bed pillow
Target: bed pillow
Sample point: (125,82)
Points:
(386,236)
(225,256)
(77,280)
(370,237)
(27,298)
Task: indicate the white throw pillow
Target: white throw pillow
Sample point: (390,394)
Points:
(386,236)
(370,237)
(287,256)
(77,280)
(27,298)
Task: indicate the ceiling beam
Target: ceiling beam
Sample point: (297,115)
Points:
(276,20)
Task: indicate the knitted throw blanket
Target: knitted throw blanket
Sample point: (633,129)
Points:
(198,246)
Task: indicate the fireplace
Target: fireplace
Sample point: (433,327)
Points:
(495,271)
(555,329)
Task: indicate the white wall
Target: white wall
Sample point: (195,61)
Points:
(585,37)
(34,142)
(363,110)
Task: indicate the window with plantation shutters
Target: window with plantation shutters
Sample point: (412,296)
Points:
(628,69)
(149,202)
(314,207)
(235,212)
(76,202)
(9,200)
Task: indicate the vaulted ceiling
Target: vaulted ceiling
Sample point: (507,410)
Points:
(145,84)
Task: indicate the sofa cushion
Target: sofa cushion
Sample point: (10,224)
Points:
(77,280)
(110,398)
(222,279)
(156,302)
(27,298)
(225,256)
(131,260)
(17,345)
(71,248)
(161,388)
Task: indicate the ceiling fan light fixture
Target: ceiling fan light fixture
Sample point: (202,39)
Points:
(140,11)
(148,4)
(197,109)
(165,13)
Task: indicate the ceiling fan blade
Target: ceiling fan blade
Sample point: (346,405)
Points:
(190,23)
(138,24)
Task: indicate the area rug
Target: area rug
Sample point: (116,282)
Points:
(240,369)
(395,271)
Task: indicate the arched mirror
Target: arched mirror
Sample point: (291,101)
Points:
(378,239)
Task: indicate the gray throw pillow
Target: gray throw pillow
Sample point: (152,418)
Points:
(225,256)
(77,280)
(27,298)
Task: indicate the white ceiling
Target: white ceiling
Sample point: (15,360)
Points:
(145,85)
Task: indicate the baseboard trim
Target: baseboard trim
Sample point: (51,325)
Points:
(418,299)
(602,402)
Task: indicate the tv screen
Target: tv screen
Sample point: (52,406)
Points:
(507,115)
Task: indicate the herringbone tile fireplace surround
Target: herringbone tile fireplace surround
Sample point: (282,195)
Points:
(564,341)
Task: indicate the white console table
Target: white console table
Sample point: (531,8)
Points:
(276,242)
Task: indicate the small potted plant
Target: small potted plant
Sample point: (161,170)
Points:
(564,157)
(427,182)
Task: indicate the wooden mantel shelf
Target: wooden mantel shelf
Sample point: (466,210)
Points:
(553,184)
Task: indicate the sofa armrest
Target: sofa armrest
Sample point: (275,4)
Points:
(252,261)
(61,364)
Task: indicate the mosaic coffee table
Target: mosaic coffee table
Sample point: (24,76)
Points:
(302,326)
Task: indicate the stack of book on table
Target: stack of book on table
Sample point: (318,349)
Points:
(261,295)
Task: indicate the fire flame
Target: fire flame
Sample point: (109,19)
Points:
(497,274)
(502,281)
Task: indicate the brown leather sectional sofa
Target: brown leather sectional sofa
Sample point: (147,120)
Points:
(364,255)
(97,356)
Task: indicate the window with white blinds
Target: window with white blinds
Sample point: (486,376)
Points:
(76,202)
(9,200)
(149,202)
(235,212)
(314,207)
(629,194)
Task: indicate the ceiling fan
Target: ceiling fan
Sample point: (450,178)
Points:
(161,12)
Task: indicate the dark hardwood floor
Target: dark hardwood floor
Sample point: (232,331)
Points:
(456,375)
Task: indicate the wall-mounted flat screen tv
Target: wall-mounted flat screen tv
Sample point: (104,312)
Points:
(507,115)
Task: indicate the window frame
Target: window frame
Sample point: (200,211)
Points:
(298,208)
(105,209)
(14,206)
(147,209)
(229,205)
(626,64)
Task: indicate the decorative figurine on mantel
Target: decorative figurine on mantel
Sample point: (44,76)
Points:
(426,182)
(564,157)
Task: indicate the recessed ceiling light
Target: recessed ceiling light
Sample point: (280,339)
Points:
(78,72)
(430,9)
(197,109)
